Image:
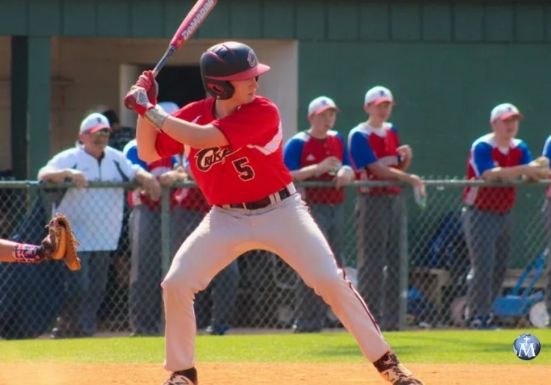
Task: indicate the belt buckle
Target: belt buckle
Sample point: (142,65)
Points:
(284,194)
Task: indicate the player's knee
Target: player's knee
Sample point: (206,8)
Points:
(326,283)
(177,284)
(184,282)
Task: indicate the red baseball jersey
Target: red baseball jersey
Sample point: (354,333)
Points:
(369,145)
(485,155)
(248,169)
(304,150)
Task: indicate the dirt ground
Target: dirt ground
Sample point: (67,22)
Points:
(268,374)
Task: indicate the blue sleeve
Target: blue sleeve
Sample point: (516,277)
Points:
(132,156)
(526,154)
(345,157)
(482,158)
(393,128)
(360,151)
(547,148)
(292,153)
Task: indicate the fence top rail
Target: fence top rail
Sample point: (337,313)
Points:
(26,184)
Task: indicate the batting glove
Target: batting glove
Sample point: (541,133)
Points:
(148,82)
(136,99)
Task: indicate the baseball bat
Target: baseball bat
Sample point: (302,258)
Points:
(195,17)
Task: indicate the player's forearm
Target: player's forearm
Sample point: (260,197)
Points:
(194,135)
(16,252)
(504,173)
(390,173)
(304,173)
(55,176)
(6,250)
(143,177)
(384,172)
(146,135)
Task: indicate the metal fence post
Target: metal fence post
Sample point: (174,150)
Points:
(404,268)
(165,230)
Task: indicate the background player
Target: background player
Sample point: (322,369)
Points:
(547,219)
(319,153)
(234,143)
(498,155)
(376,154)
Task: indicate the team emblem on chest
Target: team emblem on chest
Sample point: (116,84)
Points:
(208,157)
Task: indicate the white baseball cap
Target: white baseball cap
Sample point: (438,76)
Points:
(93,123)
(169,107)
(378,95)
(504,111)
(320,104)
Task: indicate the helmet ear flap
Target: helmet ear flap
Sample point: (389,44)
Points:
(220,89)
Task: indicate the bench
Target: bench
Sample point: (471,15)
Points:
(431,282)
(512,276)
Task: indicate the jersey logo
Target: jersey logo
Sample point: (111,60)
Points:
(208,157)
(310,158)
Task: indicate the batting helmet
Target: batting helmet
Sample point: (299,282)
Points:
(228,61)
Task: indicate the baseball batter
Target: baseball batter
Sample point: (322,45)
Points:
(234,143)
(496,156)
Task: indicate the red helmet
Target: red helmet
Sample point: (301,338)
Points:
(228,61)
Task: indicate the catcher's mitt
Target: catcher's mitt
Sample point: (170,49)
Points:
(60,243)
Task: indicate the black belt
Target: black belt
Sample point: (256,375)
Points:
(261,203)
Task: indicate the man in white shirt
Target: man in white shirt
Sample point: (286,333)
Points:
(96,215)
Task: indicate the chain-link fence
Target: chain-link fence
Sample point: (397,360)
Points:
(410,262)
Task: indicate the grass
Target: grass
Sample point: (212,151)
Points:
(480,347)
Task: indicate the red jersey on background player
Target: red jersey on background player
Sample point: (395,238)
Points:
(233,141)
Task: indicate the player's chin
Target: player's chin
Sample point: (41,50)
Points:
(249,98)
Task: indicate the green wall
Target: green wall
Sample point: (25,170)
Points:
(444,93)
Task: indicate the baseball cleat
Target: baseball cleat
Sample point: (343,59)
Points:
(395,372)
(183,377)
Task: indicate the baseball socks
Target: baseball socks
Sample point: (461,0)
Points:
(183,377)
(392,370)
